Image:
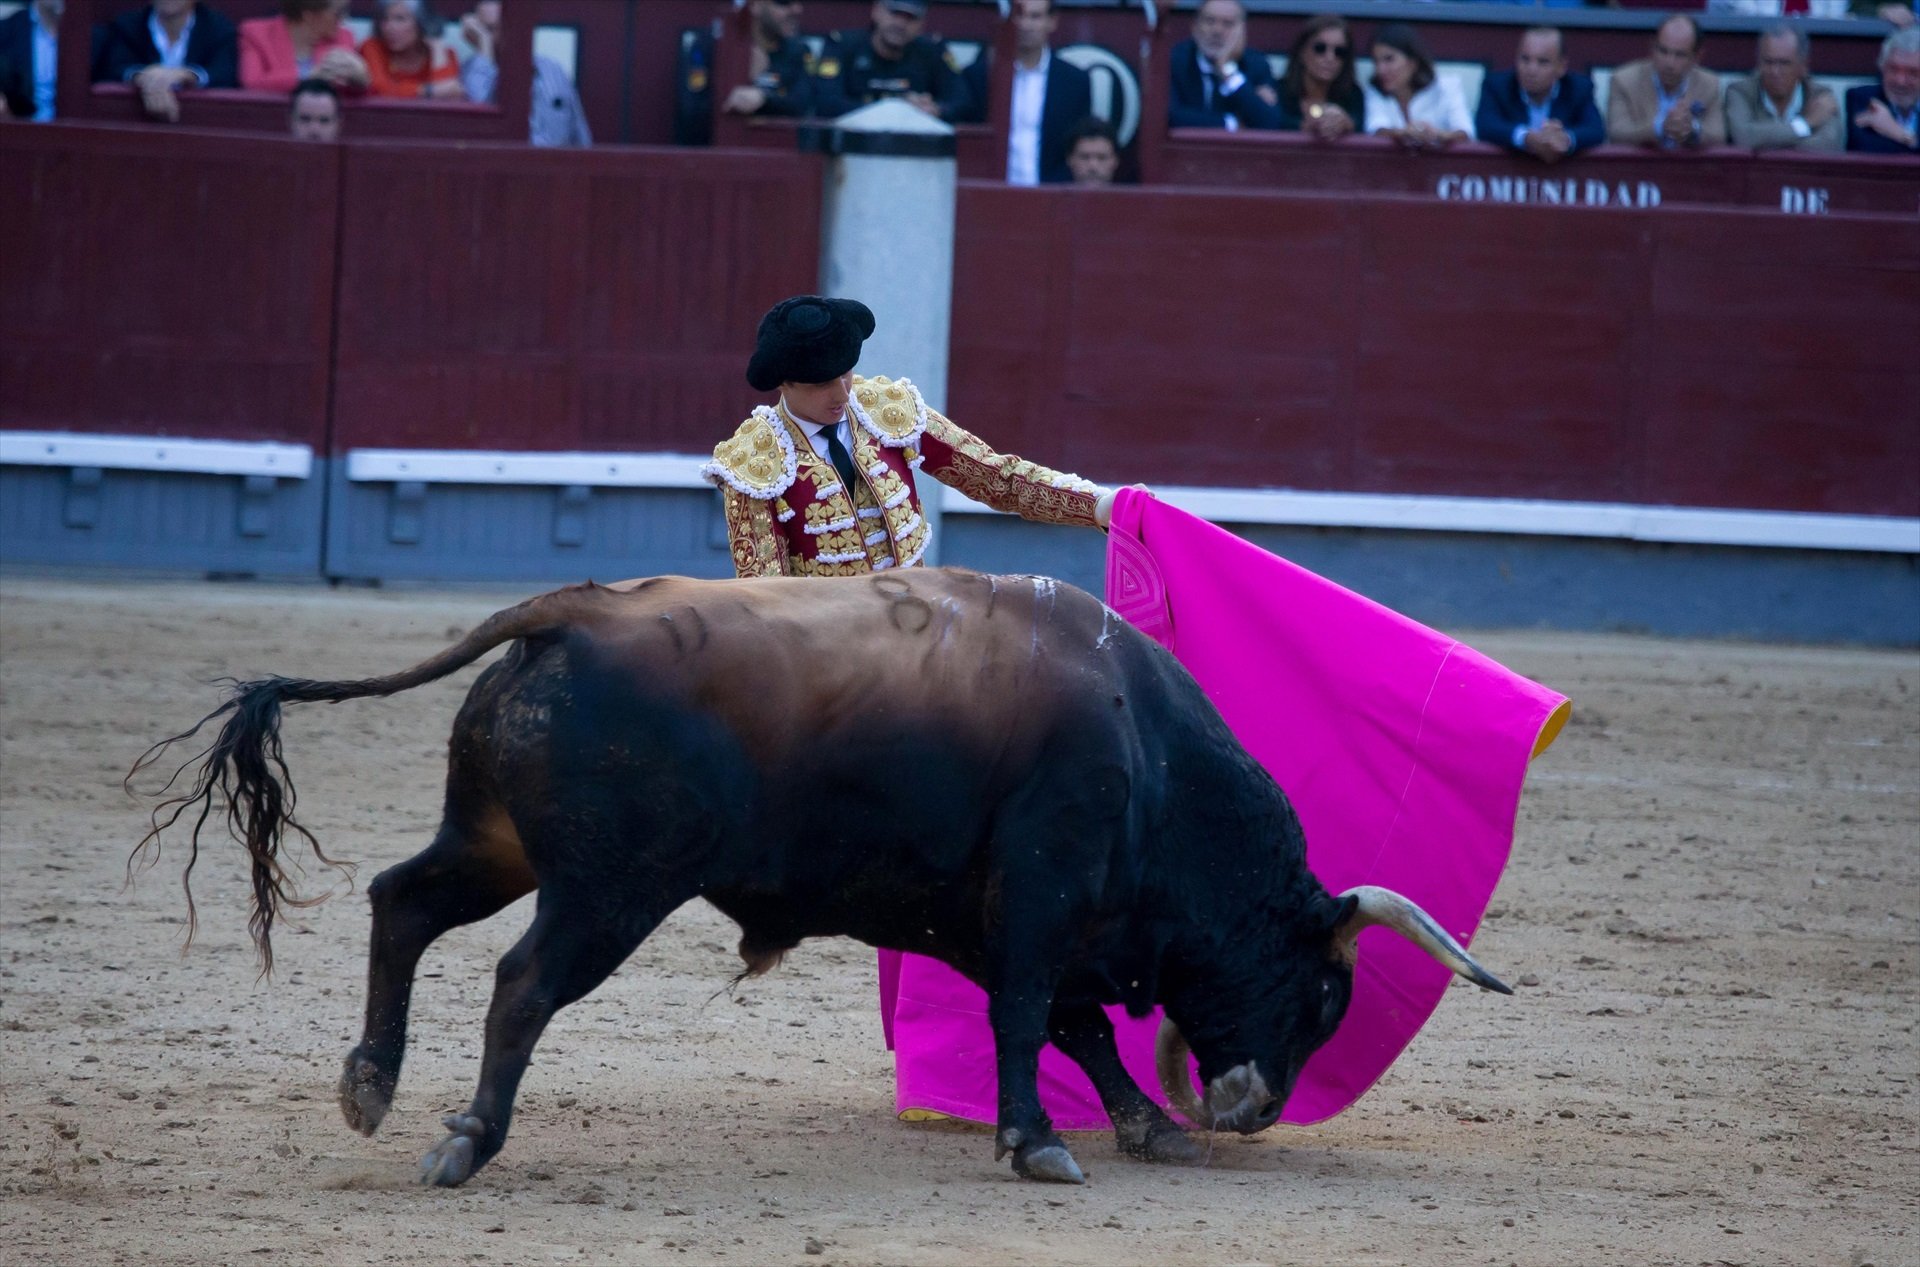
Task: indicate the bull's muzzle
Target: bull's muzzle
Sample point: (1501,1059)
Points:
(1238,1100)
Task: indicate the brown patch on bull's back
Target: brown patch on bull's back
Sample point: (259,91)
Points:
(493,837)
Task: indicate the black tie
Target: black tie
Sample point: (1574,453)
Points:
(842,460)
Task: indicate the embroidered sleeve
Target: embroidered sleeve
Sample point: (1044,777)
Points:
(757,548)
(962,461)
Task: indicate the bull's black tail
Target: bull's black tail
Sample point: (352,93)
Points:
(245,768)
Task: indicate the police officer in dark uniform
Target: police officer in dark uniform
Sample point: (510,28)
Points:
(890,59)
(782,74)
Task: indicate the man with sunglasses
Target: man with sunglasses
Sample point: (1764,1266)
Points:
(1540,107)
(779,70)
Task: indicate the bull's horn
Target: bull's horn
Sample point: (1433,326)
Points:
(1390,910)
(1170,1057)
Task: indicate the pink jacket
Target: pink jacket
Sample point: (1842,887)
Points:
(267,61)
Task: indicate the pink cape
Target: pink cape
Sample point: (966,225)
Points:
(1402,750)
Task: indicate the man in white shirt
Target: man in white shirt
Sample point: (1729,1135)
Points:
(1049,97)
(1781,107)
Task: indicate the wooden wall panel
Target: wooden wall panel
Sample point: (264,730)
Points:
(1387,345)
(505,298)
(165,283)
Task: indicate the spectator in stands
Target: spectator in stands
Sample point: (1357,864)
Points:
(1093,151)
(405,60)
(305,41)
(1666,99)
(1217,83)
(1407,100)
(30,60)
(891,58)
(313,113)
(1319,94)
(554,118)
(1885,117)
(1050,95)
(779,74)
(1782,8)
(167,46)
(1540,107)
(1781,107)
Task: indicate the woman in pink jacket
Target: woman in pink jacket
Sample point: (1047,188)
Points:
(305,40)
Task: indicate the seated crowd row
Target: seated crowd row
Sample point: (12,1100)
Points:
(1540,107)
(170,46)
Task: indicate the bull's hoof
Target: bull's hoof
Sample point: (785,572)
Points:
(450,1162)
(1161,1142)
(366,1092)
(1051,1163)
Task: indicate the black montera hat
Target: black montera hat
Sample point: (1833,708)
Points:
(808,339)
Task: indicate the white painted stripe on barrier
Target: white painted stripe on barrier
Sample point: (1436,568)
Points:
(1614,520)
(601,470)
(155,453)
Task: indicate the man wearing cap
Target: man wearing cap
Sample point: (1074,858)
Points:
(891,58)
(822,482)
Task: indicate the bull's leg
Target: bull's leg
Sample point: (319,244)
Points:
(464,876)
(1140,1126)
(1018,1014)
(576,941)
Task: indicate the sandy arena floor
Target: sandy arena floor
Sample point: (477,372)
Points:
(1712,907)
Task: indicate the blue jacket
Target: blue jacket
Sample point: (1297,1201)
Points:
(1069,100)
(1189,109)
(1503,108)
(1866,140)
(125,45)
(16,61)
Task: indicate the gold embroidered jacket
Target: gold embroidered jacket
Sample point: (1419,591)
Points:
(788,513)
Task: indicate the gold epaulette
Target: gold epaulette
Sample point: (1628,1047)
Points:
(890,410)
(758,460)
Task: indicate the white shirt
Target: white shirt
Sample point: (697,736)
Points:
(1023,137)
(842,429)
(1438,105)
(172,52)
(46,67)
(1213,94)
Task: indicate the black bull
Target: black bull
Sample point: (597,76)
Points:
(997,772)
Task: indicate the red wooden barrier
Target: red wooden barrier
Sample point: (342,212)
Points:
(1241,339)
(1608,176)
(503,297)
(174,284)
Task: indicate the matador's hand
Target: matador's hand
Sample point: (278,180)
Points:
(1103,508)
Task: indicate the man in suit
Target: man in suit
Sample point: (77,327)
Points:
(1540,107)
(1666,100)
(1780,107)
(1049,96)
(29,60)
(1217,82)
(891,58)
(167,46)
(1884,118)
